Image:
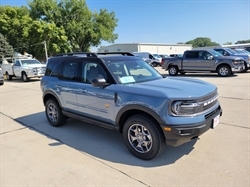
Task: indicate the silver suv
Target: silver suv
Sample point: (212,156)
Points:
(125,94)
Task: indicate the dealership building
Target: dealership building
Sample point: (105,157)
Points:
(147,47)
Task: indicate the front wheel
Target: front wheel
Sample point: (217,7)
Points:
(143,137)
(154,64)
(173,70)
(245,70)
(25,77)
(54,113)
(224,71)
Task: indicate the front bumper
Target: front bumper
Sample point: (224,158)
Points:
(184,133)
(238,68)
(34,75)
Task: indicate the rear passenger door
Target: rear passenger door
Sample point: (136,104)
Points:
(67,86)
(190,60)
(95,102)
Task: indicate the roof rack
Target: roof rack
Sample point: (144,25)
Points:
(113,53)
(84,54)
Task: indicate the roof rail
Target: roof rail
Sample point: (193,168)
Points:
(112,53)
(85,54)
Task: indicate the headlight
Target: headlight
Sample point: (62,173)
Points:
(237,62)
(34,69)
(184,107)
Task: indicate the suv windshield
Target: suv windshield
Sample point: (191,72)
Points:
(215,53)
(133,71)
(157,56)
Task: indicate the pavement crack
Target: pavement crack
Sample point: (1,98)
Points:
(118,170)
(235,125)
(236,98)
(12,131)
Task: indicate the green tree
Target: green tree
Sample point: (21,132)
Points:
(242,41)
(202,42)
(228,43)
(5,48)
(27,34)
(83,28)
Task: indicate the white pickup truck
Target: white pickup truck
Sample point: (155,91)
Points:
(24,69)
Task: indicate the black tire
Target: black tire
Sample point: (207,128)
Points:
(2,83)
(154,64)
(25,77)
(54,113)
(9,77)
(224,71)
(143,137)
(173,70)
(245,70)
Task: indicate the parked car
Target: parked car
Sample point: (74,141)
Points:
(242,51)
(1,77)
(125,94)
(24,69)
(164,56)
(231,52)
(154,61)
(203,60)
(176,55)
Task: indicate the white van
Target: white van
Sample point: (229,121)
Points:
(155,61)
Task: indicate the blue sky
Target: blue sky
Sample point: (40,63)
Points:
(172,21)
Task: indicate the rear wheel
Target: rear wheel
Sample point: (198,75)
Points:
(224,71)
(9,77)
(173,70)
(54,113)
(143,137)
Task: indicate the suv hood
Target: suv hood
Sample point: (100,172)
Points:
(35,65)
(242,55)
(230,58)
(181,88)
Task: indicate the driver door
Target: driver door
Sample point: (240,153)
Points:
(17,68)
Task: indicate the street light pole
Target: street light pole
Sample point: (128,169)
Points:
(46,53)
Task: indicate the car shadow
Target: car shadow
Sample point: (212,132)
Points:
(15,80)
(99,142)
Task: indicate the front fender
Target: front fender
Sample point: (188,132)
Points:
(137,107)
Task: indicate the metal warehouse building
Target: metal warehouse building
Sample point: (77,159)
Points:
(147,47)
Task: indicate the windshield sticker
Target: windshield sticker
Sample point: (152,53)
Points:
(127,79)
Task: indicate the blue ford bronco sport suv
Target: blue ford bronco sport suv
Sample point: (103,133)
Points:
(121,92)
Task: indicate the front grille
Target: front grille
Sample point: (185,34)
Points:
(207,97)
(208,101)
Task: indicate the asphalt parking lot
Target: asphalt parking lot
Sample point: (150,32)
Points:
(35,154)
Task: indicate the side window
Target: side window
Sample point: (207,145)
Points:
(192,54)
(92,70)
(204,55)
(70,71)
(17,63)
(219,51)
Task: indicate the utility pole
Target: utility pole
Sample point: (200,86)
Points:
(46,53)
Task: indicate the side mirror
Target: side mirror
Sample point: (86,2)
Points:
(99,82)
(210,57)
